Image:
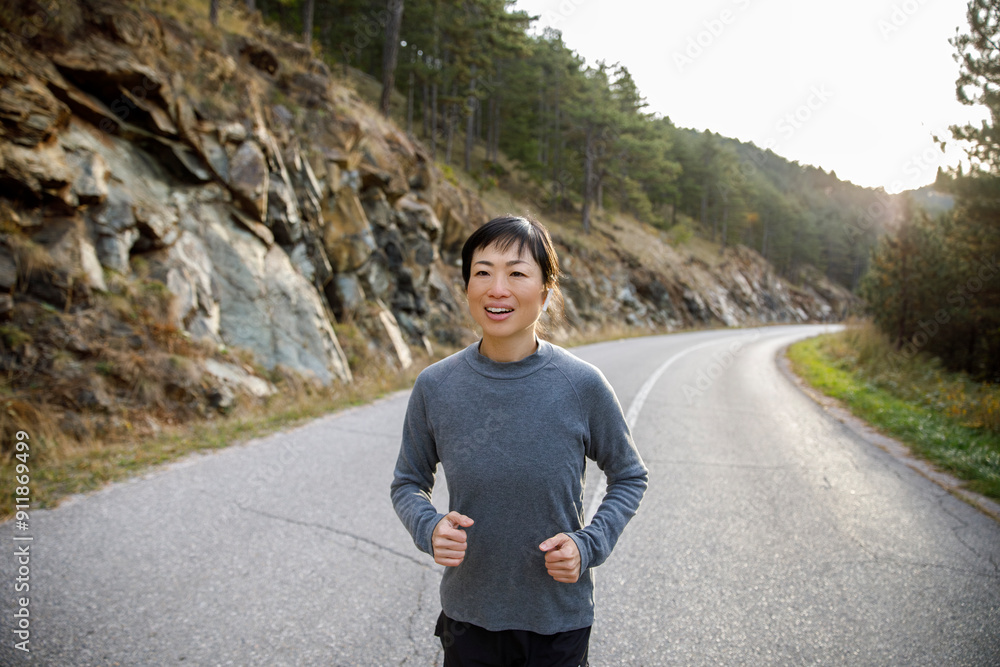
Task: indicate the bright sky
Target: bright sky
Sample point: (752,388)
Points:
(856,86)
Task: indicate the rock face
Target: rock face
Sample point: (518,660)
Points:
(269,225)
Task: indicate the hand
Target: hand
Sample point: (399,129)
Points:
(449,541)
(562,558)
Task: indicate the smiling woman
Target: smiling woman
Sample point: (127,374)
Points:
(511,273)
(512,420)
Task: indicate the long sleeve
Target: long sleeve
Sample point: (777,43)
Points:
(513,440)
(611,446)
(413,478)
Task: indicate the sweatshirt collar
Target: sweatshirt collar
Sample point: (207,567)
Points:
(510,370)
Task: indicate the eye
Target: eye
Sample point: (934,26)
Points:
(482,272)
(517,273)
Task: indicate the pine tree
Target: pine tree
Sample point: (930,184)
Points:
(390,52)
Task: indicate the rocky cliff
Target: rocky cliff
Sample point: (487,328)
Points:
(187,217)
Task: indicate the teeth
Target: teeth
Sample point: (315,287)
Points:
(499,310)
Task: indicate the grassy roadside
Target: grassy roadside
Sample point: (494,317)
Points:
(944,418)
(57,471)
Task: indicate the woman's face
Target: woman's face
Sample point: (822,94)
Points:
(505,295)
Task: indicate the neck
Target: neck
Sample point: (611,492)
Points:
(508,350)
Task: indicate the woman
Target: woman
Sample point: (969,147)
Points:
(512,419)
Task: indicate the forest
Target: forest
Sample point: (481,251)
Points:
(488,94)
(934,285)
(473,73)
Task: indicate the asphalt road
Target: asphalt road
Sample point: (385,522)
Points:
(770,535)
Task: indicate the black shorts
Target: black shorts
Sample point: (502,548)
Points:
(467,645)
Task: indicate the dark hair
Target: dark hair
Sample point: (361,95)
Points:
(504,232)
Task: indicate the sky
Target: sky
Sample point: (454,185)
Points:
(859,87)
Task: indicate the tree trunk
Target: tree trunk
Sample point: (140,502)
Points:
(588,178)
(425,110)
(904,297)
(490,112)
(308,10)
(560,190)
(390,53)
(409,103)
(471,104)
(543,137)
(436,64)
(496,131)
(703,216)
(449,125)
(251,6)
(434,120)
(213,12)
(725,226)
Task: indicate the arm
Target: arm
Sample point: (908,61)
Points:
(413,478)
(611,446)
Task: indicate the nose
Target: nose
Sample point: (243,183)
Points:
(498,287)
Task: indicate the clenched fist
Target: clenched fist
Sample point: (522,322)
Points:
(449,541)
(562,558)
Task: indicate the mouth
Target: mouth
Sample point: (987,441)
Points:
(498,313)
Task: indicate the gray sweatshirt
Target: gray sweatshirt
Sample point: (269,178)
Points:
(512,439)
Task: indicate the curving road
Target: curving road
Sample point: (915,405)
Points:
(770,535)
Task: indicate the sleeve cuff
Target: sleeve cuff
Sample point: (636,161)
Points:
(428,546)
(584,552)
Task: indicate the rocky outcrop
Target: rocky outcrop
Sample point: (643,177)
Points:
(271,208)
(646,283)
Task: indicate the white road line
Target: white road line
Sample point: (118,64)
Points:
(632,416)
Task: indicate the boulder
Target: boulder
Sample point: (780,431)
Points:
(145,113)
(232,133)
(456,218)
(214,154)
(421,214)
(115,226)
(102,68)
(186,269)
(249,177)
(391,327)
(283,211)
(90,181)
(29,112)
(40,173)
(303,336)
(303,264)
(345,295)
(69,271)
(259,56)
(157,227)
(237,377)
(8,267)
(347,235)
(266,305)
(259,230)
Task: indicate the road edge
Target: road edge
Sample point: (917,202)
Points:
(895,448)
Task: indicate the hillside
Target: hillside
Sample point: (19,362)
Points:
(192,219)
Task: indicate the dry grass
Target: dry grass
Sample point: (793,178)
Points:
(63,466)
(233,18)
(919,378)
(942,417)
